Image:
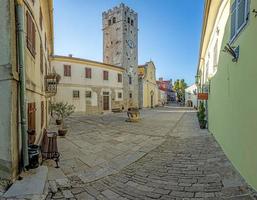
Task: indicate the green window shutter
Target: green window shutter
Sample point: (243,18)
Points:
(241,13)
(233,20)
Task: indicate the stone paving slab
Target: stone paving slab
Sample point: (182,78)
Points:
(188,165)
(164,156)
(31,186)
(97,146)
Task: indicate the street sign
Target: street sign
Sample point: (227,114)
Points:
(202,96)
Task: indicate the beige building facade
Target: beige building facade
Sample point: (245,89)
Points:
(25,46)
(148,89)
(91,86)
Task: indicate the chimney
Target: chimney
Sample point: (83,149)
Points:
(70,55)
(160,79)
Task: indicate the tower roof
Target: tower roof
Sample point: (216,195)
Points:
(116,8)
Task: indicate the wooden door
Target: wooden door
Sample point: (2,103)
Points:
(42,114)
(151,101)
(32,116)
(106,103)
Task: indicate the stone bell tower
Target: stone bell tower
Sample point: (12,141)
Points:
(120,47)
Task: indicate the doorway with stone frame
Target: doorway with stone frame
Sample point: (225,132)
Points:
(106,101)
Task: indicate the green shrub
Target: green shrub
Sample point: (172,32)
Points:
(201,115)
(62,110)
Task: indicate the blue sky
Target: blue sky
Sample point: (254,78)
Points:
(169,32)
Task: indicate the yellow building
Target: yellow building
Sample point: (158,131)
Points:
(148,89)
(25,71)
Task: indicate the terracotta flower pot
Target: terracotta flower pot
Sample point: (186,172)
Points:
(58,122)
(62,132)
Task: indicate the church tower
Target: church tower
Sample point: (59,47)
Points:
(120,47)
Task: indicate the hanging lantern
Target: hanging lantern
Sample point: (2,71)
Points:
(51,82)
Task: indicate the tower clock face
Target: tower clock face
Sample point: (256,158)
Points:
(131,44)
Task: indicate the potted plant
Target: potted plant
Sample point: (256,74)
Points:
(201,116)
(54,111)
(62,110)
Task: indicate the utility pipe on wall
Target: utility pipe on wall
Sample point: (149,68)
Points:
(22,80)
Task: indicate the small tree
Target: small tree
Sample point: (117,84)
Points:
(179,87)
(62,110)
(201,116)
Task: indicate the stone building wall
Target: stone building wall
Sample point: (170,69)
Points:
(10,144)
(120,36)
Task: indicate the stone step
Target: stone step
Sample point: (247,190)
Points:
(32,184)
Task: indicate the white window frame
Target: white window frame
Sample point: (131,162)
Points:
(78,92)
(88,91)
(246,19)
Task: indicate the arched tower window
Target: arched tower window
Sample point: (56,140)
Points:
(109,22)
(114,20)
(128,20)
(132,22)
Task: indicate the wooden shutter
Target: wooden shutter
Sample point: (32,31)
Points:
(119,78)
(45,42)
(46,67)
(42,114)
(40,19)
(33,38)
(31,31)
(67,70)
(41,59)
(105,75)
(29,42)
(32,115)
(88,72)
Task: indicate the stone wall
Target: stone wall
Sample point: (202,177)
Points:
(120,37)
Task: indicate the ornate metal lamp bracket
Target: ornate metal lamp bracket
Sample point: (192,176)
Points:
(255,11)
(233,51)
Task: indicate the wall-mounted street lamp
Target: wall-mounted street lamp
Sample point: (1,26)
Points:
(233,51)
(197,79)
(255,12)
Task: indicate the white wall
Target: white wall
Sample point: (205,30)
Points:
(78,75)
(209,70)
(77,81)
(191,94)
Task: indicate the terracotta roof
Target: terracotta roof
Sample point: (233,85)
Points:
(86,60)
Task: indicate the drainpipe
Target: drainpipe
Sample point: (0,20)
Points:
(22,81)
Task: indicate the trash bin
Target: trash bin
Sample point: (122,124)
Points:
(34,151)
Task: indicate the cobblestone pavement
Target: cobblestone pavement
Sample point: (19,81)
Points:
(188,164)
(97,146)
(164,156)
